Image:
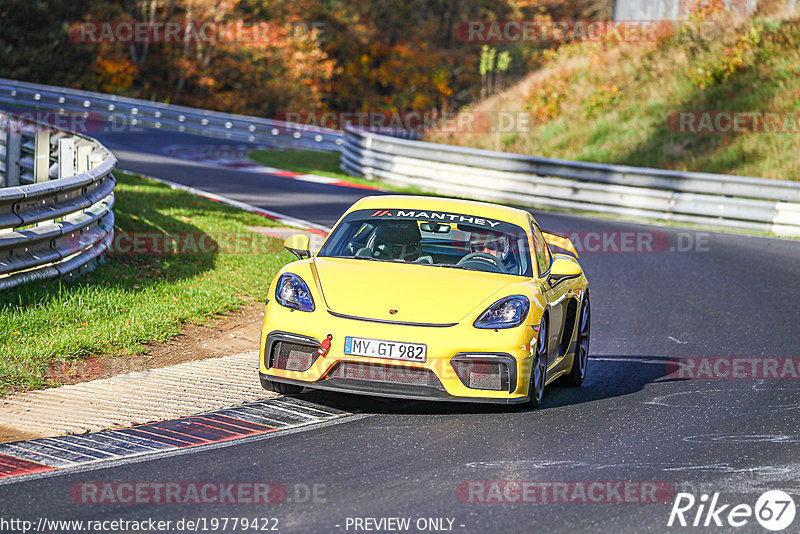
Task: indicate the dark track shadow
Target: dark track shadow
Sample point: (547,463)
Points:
(608,377)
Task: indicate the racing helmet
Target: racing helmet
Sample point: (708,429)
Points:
(482,240)
(397,240)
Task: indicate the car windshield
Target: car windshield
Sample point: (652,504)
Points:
(437,239)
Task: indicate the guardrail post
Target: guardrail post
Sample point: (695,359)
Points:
(82,155)
(95,159)
(13,154)
(41,157)
(66,157)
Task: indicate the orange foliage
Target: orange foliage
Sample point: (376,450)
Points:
(115,74)
(370,55)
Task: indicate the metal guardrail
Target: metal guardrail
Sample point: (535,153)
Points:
(700,198)
(56,200)
(719,200)
(125,112)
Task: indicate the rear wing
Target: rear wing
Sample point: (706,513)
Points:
(554,239)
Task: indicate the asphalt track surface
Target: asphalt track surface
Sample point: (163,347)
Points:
(728,296)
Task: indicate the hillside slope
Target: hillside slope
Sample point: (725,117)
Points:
(620,102)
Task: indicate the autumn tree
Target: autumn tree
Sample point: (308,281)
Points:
(371,55)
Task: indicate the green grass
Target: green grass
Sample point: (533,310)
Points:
(303,161)
(133,298)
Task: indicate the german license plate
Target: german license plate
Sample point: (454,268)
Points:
(390,350)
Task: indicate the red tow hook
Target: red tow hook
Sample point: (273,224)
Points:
(325,346)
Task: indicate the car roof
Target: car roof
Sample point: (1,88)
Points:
(450,205)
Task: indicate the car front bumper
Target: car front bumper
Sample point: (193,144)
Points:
(435,379)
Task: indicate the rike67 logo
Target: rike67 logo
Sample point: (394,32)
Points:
(774,510)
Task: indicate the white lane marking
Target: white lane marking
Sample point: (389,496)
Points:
(533,464)
(135,440)
(743,438)
(296,405)
(679,342)
(669,400)
(315,178)
(632,360)
(276,406)
(254,416)
(98,441)
(28,454)
(660,466)
(43,443)
(71,443)
(257,168)
(244,163)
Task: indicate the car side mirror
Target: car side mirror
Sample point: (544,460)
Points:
(298,245)
(563,269)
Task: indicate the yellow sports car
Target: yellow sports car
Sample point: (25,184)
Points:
(429,298)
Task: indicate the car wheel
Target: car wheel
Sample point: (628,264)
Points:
(539,368)
(581,358)
(280,387)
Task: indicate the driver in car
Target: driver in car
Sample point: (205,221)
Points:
(397,241)
(490,243)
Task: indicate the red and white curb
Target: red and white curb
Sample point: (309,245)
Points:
(311,178)
(136,397)
(43,455)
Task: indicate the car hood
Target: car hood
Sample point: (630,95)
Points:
(419,293)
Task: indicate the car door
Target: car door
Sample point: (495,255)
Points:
(553,293)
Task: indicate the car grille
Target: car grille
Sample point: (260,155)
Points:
(388,374)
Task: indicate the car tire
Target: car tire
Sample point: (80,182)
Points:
(581,359)
(539,368)
(280,387)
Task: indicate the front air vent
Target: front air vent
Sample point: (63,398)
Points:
(292,357)
(486,371)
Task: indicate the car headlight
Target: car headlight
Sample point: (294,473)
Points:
(507,312)
(292,292)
